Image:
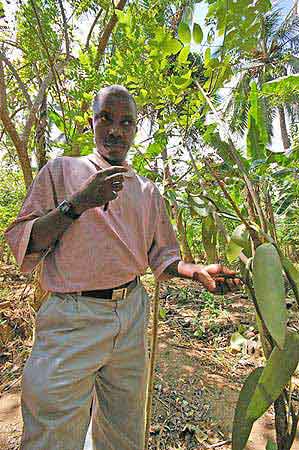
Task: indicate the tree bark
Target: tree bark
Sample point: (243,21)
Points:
(107,33)
(10,129)
(283,128)
(40,134)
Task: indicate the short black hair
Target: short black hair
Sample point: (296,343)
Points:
(116,89)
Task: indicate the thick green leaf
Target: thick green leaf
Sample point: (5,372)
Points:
(241,425)
(257,136)
(183,55)
(269,291)
(197,34)
(184,33)
(233,251)
(171,47)
(280,367)
(240,236)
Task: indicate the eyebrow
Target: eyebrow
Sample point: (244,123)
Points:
(104,111)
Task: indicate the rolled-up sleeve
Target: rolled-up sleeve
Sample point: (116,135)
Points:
(165,248)
(39,201)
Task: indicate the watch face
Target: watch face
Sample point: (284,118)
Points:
(67,209)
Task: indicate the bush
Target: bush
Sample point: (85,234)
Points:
(12,194)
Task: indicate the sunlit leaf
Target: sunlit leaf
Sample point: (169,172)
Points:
(197,33)
(233,251)
(240,236)
(184,33)
(183,55)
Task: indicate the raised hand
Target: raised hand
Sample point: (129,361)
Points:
(99,189)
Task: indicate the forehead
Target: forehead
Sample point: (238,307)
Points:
(114,102)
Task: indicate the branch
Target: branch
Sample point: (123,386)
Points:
(216,217)
(17,77)
(11,117)
(53,69)
(228,196)
(92,28)
(107,32)
(10,129)
(38,100)
(4,114)
(65,29)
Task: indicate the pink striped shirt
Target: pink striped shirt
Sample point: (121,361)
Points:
(101,249)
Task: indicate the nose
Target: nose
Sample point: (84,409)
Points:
(115,131)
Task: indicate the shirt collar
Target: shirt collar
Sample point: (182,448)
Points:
(99,161)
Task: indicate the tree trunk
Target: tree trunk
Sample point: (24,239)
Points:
(21,150)
(40,134)
(283,128)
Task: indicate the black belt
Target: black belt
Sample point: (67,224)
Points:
(116,293)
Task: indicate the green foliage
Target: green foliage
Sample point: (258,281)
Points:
(240,236)
(197,33)
(209,238)
(242,425)
(262,388)
(184,33)
(238,22)
(12,193)
(233,251)
(269,291)
(282,89)
(257,136)
(37,30)
(271,445)
(277,373)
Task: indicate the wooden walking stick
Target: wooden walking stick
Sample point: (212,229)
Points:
(150,385)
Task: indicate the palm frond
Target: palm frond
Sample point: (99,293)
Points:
(287,34)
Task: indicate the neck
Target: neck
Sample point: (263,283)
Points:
(112,162)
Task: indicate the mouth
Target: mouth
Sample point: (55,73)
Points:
(115,144)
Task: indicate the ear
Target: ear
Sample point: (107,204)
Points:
(90,122)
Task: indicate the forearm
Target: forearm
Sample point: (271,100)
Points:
(47,230)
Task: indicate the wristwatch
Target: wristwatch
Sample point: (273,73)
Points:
(67,209)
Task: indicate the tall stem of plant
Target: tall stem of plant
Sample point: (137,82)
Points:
(220,225)
(236,157)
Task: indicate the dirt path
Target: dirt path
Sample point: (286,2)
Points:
(208,393)
(197,379)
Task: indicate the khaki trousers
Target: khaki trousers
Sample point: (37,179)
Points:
(89,360)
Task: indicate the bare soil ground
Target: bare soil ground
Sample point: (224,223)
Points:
(198,374)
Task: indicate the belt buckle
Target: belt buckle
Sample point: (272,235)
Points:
(119,294)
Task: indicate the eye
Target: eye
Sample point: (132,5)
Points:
(127,122)
(104,117)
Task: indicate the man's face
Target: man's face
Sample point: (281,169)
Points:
(114,126)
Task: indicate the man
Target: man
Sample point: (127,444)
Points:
(104,225)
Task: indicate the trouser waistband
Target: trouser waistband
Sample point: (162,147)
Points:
(117,293)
